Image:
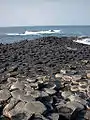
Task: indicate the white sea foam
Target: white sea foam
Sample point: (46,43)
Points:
(83,41)
(34,32)
(12,33)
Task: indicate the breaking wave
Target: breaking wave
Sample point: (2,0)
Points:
(83,41)
(35,32)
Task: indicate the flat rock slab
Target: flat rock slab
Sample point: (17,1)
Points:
(26,98)
(35,94)
(4,95)
(17,112)
(35,107)
(54,116)
(50,91)
(18,85)
(17,93)
(66,94)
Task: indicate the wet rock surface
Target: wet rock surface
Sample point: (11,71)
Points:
(45,80)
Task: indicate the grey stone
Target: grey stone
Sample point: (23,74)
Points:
(88,75)
(58,75)
(35,107)
(17,112)
(35,93)
(63,71)
(34,85)
(12,79)
(13,68)
(17,93)
(54,116)
(12,74)
(66,94)
(40,117)
(43,94)
(76,77)
(4,95)
(9,106)
(50,91)
(51,85)
(26,98)
(18,85)
(31,80)
(74,105)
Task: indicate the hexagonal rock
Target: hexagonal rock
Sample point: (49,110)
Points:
(35,94)
(35,107)
(76,77)
(28,89)
(76,98)
(87,115)
(74,88)
(54,116)
(43,94)
(88,75)
(26,98)
(74,105)
(63,71)
(40,117)
(12,79)
(18,85)
(34,85)
(13,68)
(51,85)
(17,93)
(58,75)
(50,91)
(67,78)
(9,106)
(31,80)
(65,111)
(17,112)
(4,95)
(66,94)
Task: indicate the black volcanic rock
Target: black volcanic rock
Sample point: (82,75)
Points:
(35,56)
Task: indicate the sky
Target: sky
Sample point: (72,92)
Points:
(44,12)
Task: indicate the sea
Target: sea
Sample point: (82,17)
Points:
(15,34)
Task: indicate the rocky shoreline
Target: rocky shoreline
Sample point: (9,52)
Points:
(45,79)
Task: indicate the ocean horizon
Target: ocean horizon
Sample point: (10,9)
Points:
(18,33)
